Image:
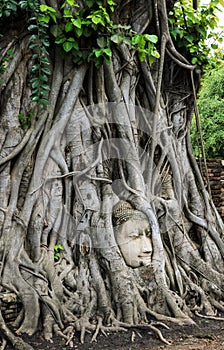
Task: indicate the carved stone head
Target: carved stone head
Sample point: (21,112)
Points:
(133,235)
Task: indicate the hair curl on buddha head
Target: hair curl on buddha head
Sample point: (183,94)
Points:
(123,211)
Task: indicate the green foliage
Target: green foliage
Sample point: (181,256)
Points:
(87,33)
(210,104)
(146,46)
(5,62)
(73,26)
(25,119)
(57,251)
(39,43)
(193,29)
(8,8)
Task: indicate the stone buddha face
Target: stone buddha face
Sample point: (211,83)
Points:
(133,236)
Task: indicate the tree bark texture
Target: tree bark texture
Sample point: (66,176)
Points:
(118,132)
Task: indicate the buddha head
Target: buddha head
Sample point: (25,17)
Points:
(133,235)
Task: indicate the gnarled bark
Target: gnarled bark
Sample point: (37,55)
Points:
(118,132)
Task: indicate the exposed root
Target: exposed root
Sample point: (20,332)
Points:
(67,334)
(179,321)
(158,332)
(209,317)
(4,343)
(89,286)
(98,327)
(17,342)
(217,304)
(153,327)
(104,329)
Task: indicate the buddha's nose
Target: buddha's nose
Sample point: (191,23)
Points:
(146,245)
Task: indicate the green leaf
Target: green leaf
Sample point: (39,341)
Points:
(35,56)
(151,38)
(98,52)
(35,92)
(127,40)
(214,46)
(78,32)
(33,37)
(87,32)
(45,8)
(56,31)
(35,83)
(43,77)
(101,41)
(32,27)
(117,39)
(58,247)
(35,67)
(53,17)
(44,93)
(77,22)
(97,20)
(56,256)
(141,55)
(7,13)
(151,60)
(60,40)
(44,60)
(33,46)
(108,52)
(12,6)
(67,46)
(155,53)
(138,40)
(35,98)
(45,70)
(46,87)
(45,19)
(90,3)
(68,27)
(23,5)
(189,38)
(72,3)
(67,13)
(44,101)
(45,42)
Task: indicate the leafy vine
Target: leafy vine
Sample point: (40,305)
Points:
(88,33)
(39,43)
(74,25)
(194,30)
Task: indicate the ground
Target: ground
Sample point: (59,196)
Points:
(205,335)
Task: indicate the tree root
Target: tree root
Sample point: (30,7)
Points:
(103,329)
(17,342)
(179,321)
(159,333)
(120,327)
(209,317)
(85,326)
(67,334)
(4,343)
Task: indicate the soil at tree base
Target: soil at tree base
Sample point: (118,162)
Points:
(205,335)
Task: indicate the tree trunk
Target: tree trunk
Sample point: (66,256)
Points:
(82,174)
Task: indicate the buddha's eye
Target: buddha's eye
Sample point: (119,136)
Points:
(133,234)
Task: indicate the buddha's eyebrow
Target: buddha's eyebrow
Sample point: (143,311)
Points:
(133,233)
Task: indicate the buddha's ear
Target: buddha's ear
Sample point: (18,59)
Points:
(85,244)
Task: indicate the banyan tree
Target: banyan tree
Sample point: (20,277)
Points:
(106,221)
